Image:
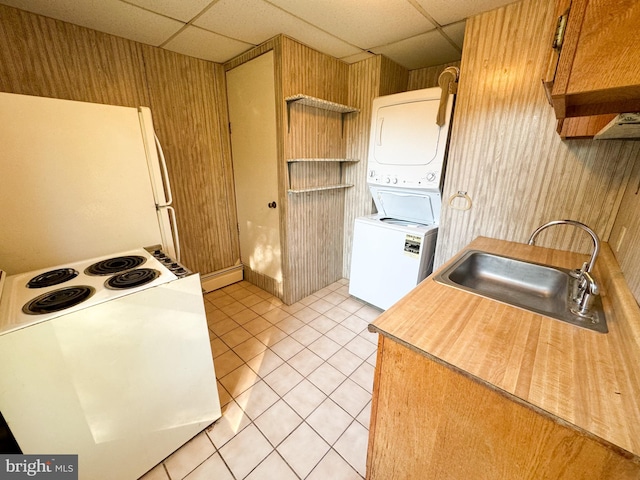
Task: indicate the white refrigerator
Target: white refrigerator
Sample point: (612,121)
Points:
(123,377)
(79,180)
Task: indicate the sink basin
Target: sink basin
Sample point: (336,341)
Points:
(531,286)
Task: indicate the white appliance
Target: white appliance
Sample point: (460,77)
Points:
(390,249)
(104,365)
(393,250)
(80,180)
(106,354)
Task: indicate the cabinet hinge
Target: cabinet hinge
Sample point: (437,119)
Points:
(561,27)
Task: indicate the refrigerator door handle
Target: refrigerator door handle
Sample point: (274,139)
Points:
(169,198)
(174,229)
(165,175)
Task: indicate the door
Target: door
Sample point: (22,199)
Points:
(252,114)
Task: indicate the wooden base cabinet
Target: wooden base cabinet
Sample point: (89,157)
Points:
(429,421)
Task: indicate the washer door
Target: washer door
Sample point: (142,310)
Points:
(412,206)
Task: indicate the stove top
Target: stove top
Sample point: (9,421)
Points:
(33,297)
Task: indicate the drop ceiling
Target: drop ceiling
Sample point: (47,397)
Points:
(413,33)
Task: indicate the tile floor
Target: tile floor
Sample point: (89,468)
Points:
(295,387)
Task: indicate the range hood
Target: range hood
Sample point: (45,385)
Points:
(624,125)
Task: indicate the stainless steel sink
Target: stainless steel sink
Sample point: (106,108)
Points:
(531,286)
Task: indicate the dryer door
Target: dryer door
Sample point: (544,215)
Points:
(407,133)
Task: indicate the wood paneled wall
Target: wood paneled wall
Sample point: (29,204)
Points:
(45,57)
(370,78)
(427,77)
(314,221)
(625,237)
(505,153)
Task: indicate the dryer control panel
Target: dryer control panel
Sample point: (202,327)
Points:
(387,176)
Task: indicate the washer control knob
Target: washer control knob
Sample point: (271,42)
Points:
(395,180)
(431,176)
(387,180)
(372,173)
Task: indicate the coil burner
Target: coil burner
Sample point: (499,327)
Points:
(52,277)
(132,278)
(57,300)
(115,265)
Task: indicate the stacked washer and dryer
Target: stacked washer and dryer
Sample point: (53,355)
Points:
(393,249)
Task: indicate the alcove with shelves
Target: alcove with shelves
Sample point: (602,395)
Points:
(317,174)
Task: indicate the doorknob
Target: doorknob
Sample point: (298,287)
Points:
(271,204)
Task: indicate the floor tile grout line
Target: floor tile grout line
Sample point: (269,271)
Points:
(215,450)
(325,361)
(363,361)
(304,419)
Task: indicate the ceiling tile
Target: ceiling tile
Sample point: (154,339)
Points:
(222,29)
(183,10)
(199,43)
(363,24)
(455,32)
(423,50)
(254,21)
(449,11)
(357,57)
(109,16)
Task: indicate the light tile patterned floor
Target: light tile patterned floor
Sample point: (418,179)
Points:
(295,387)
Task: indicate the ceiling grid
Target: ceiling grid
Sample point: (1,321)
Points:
(413,33)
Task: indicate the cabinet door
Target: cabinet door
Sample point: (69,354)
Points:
(598,71)
(252,113)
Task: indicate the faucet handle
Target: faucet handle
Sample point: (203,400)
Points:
(591,286)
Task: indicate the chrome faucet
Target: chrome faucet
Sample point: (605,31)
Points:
(594,237)
(584,287)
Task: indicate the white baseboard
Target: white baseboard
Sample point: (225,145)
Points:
(222,278)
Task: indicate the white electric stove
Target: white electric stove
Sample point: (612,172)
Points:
(40,295)
(107,358)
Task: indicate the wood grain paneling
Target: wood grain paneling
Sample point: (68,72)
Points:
(370,78)
(314,221)
(625,237)
(427,77)
(364,86)
(46,57)
(190,93)
(504,150)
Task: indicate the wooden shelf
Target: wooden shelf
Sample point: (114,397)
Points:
(320,103)
(338,161)
(317,103)
(320,189)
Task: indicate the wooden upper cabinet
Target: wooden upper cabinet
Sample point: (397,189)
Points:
(596,72)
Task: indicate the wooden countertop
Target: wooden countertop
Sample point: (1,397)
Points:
(585,379)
